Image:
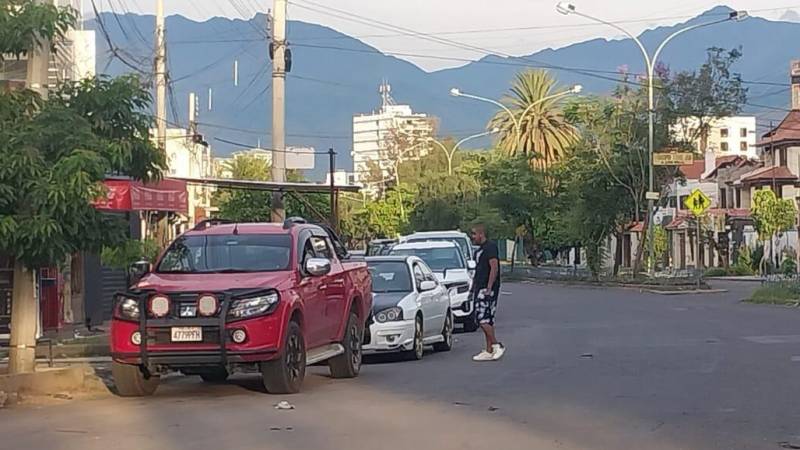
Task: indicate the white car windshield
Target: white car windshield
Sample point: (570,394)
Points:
(463,244)
(438,259)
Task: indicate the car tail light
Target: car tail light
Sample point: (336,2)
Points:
(159,305)
(207,305)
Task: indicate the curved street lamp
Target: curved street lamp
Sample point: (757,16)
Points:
(650,63)
(451,153)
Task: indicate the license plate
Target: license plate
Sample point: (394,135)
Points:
(187,334)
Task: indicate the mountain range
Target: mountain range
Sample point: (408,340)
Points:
(335,76)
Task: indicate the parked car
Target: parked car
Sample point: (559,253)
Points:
(379,247)
(459,238)
(410,308)
(225,297)
(447,262)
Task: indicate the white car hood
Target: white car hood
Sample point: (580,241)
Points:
(453,275)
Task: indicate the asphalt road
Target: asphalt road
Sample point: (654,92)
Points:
(585,369)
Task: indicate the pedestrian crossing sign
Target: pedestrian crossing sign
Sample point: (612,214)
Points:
(697,202)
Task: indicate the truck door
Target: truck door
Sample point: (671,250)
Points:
(334,291)
(311,290)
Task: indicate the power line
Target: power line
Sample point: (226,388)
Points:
(297,152)
(267,133)
(115,51)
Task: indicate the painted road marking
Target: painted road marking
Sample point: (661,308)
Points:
(795,358)
(785,339)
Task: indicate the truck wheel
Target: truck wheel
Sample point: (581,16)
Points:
(131,382)
(285,375)
(471,323)
(418,351)
(447,334)
(348,364)
(218,375)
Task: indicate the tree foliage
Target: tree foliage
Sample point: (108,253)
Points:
(544,135)
(25,24)
(56,152)
(772,216)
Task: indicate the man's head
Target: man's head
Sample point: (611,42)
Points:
(478,234)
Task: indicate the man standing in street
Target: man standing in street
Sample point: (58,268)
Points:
(485,290)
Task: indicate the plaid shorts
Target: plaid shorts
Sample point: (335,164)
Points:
(485,308)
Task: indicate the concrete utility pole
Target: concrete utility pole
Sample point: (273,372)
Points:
(278,105)
(24,311)
(161,78)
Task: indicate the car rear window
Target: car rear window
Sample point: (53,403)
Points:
(227,254)
(438,259)
(390,276)
(463,244)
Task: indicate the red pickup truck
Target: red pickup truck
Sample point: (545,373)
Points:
(259,297)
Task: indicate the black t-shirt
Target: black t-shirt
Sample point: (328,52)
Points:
(485,253)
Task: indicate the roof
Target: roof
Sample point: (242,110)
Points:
(241,228)
(788,131)
(730,160)
(636,227)
(777,173)
(267,185)
(428,234)
(426,244)
(693,171)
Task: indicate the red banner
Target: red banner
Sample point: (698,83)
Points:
(127,195)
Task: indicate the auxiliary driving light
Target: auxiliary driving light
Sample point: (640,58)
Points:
(207,305)
(239,336)
(159,305)
(136,338)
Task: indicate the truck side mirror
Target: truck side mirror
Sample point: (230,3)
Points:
(317,267)
(138,270)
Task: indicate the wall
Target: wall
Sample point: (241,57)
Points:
(716,140)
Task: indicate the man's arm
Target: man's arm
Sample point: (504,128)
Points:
(493,268)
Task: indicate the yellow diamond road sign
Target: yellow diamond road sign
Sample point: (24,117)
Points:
(697,202)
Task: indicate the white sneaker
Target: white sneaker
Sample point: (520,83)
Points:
(483,356)
(498,351)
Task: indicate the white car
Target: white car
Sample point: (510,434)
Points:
(410,308)
(461,239)
(447,262)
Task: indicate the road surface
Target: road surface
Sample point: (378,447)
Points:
(585,369)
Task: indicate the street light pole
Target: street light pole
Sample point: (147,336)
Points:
(455,92)
(650,63)
(451,153)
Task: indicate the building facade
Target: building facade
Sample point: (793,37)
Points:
(376,137)
(735,135)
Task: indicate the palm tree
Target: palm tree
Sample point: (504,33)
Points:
(544,134)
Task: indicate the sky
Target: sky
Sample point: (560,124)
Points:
(469,22)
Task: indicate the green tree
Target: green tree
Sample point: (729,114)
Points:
(772,216)
(25,24)
(55,154)
(544,132)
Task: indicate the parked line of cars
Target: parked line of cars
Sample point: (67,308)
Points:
(272,298)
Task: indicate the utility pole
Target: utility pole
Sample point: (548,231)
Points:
(278,105)
(334,206)
(161,78)
(24,311)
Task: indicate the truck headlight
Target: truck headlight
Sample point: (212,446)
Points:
(389,315)
(127,309)
(244,308)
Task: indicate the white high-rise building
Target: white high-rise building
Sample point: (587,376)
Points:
(727,136)
(373,134)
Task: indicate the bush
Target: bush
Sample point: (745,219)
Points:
(716,272)
(741,270)
(131,251)
(778,293)
(789,267)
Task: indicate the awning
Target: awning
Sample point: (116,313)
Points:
(128,195)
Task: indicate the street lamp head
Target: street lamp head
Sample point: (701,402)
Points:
(577,89)
(455,92)
(739,15)
(565,8)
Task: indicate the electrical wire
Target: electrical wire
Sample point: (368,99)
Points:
(294,152)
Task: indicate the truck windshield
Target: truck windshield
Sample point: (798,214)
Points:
(390,276)
(227,254)
(438,259)
(463,244)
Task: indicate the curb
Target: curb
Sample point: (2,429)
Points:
(601,285)
(685,292)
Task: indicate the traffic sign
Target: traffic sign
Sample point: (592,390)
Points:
(672,158)
(697,202)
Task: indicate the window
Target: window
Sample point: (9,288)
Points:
(743,132)
(227,253)
(743,146)
(419,277)
(783,156)
(723,146)
(738,198)
(428,274)
(321,247)
(723,199)
(723,132)
(682,202)
(390,276)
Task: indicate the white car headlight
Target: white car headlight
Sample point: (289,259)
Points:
(392,314)
(244,308)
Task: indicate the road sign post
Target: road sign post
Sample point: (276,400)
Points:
(698,203)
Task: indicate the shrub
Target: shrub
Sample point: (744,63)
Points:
(129,252)
(716,272)
(778,293)
(789,267)
(741,270)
